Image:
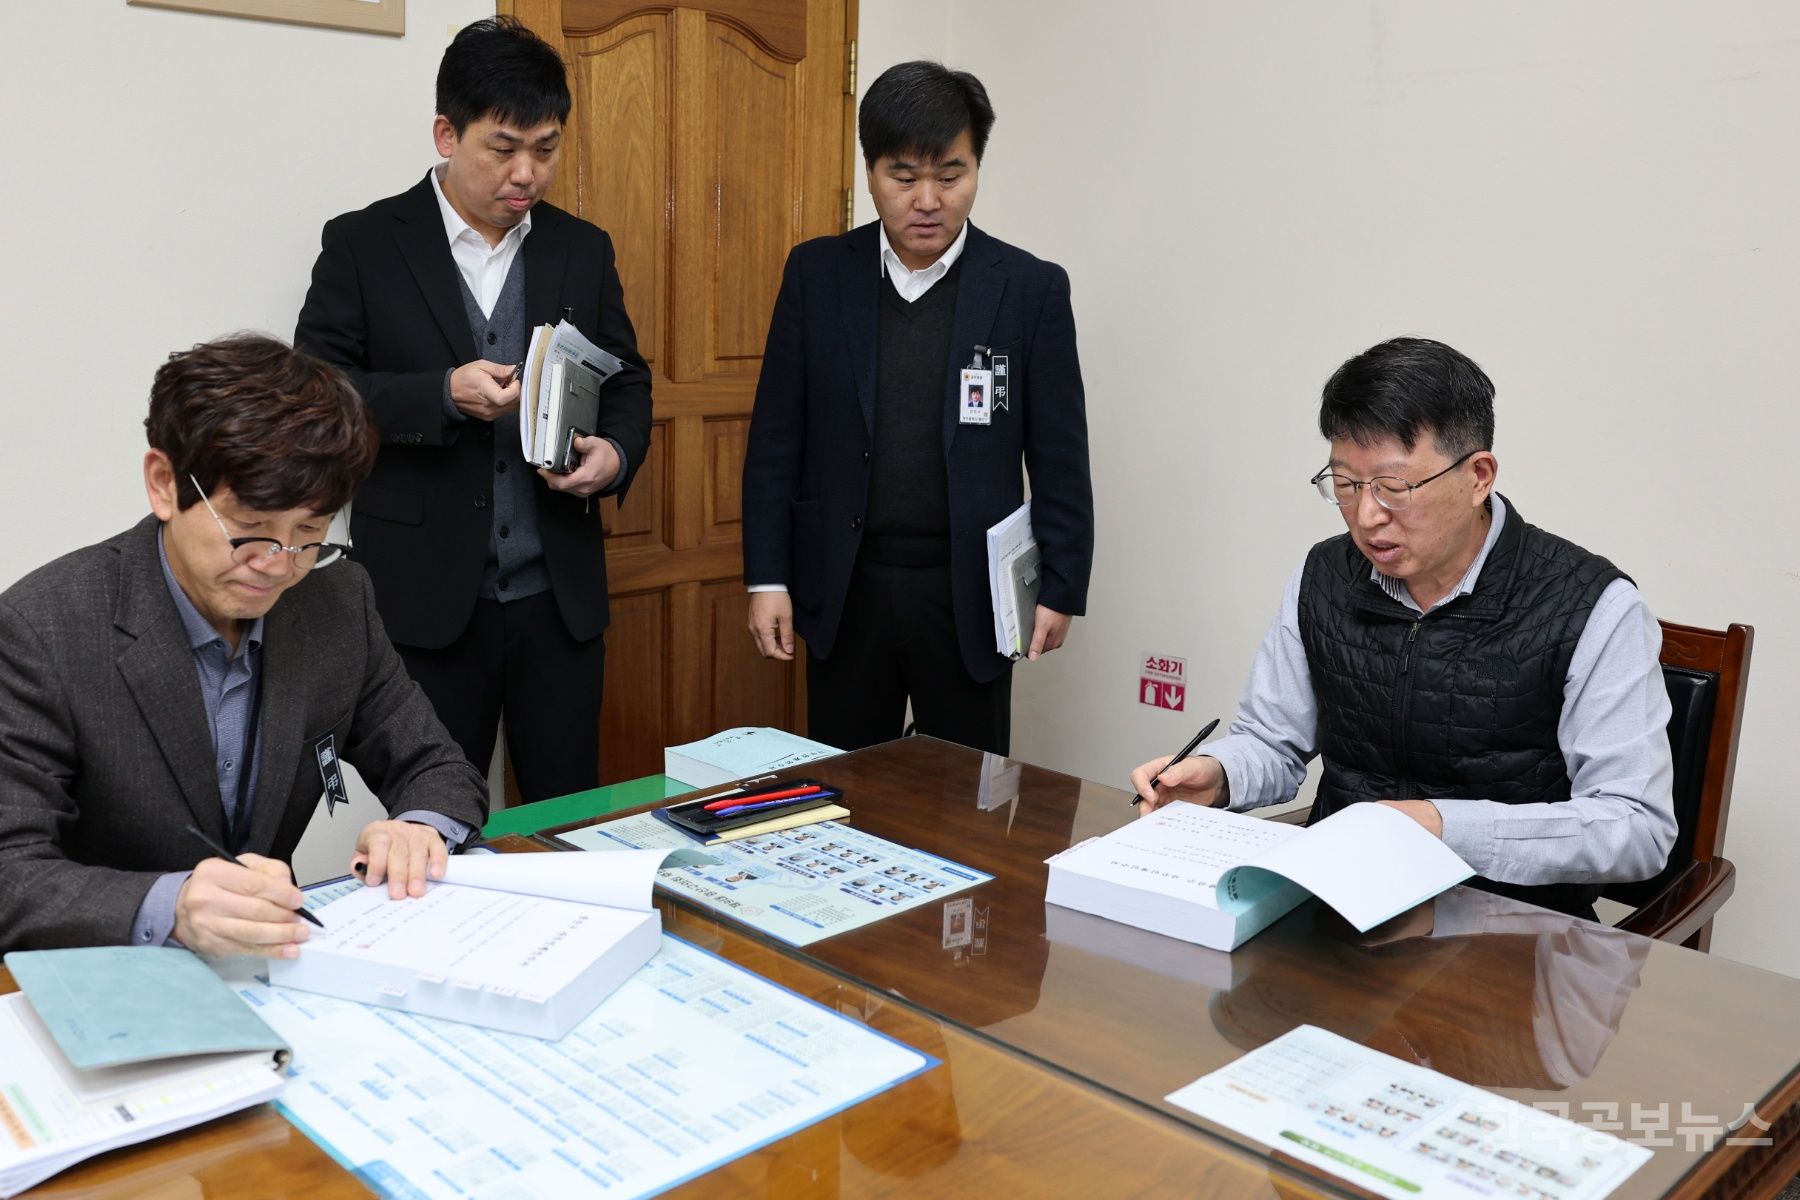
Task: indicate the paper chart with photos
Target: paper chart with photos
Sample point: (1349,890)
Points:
(1401,1130)
(692,1062)
(799,885)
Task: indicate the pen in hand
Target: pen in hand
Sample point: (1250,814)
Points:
(1183,753)
(231,858)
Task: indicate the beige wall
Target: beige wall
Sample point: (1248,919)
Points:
(1592,199)
(168,176)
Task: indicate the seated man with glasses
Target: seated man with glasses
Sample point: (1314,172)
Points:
(196,680)
(1492,681)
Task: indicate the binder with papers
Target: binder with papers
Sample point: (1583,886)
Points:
(1013,581)
(113,1045)
(560,394)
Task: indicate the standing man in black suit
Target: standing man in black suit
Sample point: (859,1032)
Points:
(491,578)
(874,469)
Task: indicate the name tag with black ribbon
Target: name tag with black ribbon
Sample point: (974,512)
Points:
(331,773)
(1002,384)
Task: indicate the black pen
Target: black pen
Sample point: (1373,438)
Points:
(232,859)
(1185,751)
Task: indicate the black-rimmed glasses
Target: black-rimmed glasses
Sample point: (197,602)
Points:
(261,551)
(1390,491)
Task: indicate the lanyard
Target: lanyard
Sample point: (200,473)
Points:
(238,819)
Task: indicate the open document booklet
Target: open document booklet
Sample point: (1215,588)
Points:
(112,1045)
(527,943)
(1218,878)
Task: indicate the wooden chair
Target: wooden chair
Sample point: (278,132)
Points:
(1707,672)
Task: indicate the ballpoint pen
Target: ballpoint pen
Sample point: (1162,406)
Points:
(1185,751)
(754,806)
(231,858)
(761,797)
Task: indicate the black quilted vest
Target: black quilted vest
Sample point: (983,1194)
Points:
(1463,702)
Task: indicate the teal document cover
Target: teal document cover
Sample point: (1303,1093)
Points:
(109,1006)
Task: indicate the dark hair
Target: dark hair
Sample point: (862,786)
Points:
(919,108)
(496,68)
(1407,387)
(280,428)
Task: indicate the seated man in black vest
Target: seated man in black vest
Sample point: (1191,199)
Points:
(1494,682)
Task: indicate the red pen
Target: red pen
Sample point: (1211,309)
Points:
(759,797)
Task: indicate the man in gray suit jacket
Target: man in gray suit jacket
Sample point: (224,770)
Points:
(204,670)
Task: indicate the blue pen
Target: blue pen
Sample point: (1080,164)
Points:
(744,808)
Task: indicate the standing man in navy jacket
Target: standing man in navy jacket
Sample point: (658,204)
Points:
(874,470)
(490,574)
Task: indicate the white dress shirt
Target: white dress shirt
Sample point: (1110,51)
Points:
(483,267)
(913,284)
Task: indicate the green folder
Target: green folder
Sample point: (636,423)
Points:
(109,1006)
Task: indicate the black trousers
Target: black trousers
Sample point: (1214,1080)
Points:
(519,657)
(897,639)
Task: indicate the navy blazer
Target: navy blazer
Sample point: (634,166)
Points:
(385,304)
(806,472)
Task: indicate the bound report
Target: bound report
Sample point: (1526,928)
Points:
(559,397)
(1013,561)
(1218,878)
(527,943)
(107,1046)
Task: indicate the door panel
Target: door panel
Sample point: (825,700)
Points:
(707,139)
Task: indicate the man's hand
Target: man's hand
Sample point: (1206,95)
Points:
(1050,631)
(1424,812)
(772,624)
(1197,780)
(480,389)
(404,853)
(228,909)
(599,464)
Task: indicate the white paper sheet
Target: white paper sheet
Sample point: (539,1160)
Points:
(1401,1130)
(691,1063)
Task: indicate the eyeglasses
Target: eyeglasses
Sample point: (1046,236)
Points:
(1390,491)
(261,551)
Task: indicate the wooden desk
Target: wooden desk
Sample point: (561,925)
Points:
(1538,1007)
(1062,1034)
(985,1122)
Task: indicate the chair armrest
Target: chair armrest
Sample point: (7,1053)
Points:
(1690,900)
(1297,817)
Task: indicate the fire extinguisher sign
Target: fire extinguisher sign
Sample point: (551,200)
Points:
(1162,682)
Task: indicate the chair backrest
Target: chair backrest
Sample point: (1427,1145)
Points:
(1707,672)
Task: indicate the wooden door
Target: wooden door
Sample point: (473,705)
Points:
(707,139)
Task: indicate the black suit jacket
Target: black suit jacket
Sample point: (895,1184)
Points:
(806,473)
(106,756)
(385,304)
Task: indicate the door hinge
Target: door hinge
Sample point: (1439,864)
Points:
(849,209)
(850,69)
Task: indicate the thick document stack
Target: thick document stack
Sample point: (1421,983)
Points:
(559,397)
(1219,878)
(1013,581)
(112,1045)
(526,943)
